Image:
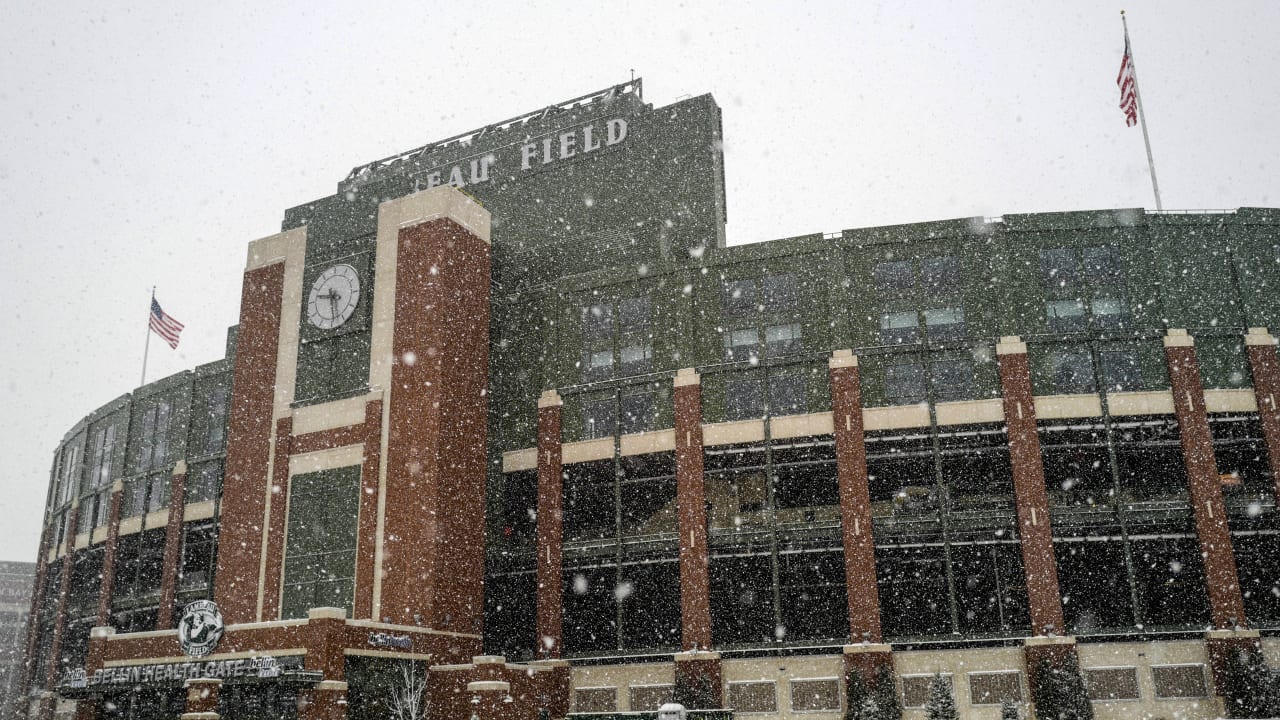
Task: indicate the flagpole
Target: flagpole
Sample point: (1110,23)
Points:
(146,346)
(1142,116)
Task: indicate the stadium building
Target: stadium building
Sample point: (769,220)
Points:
(504,418)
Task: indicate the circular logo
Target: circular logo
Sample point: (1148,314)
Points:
(200,628)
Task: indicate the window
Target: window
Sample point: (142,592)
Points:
(1179,681)
(321,542)
(915,690)
(1072,372)
(742,399)
(1084,286)
(649,697)
(1112,683)
(199,550)
(599,419)
(204,481)
(899,327)
(815,695)
(616,335)
(753,697)
(995,688)
(637,413)
(1121,371)
(936,298)
(904,384)
(595,700)
(154,440)
(103,450)
(215,433)
(787,395)
(760,314)
(953,379)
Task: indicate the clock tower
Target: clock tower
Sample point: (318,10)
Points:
(369,498)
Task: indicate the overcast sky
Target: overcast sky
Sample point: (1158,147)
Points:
(146,145)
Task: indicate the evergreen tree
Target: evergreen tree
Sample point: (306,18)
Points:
(942,704)
(1009,710)
(1059,691)
(856,694)
(886,694)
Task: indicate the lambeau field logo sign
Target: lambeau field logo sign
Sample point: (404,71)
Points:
(200,628)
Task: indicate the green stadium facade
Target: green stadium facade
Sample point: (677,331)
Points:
(506,426)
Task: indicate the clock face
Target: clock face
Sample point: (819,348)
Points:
(334,296)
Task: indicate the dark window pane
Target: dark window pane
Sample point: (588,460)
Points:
(637,413)
(1112,683)
(953,379)
(597,323)
(1058,268)
(894,278)
(599,418)
(1072,372)
(650,610)
(814,601)
(597,364)
(743,399)
(633,315)
(995,688)
(1103,265)
(940,277)
(739,298)
(1170,581)
(904,384)
(913,591)
(1121,371)
(1110,312)
(787,395)
(1179,681)
(742,600)
(589,501)
(781,294)
(1094,585)
(590,610)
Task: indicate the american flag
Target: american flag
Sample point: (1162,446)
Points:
(165,325)
(1128,86)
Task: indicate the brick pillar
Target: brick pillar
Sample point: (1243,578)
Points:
(60,620)
(700,674)
(202,699)
(855,498)
(172,546)
(33,614)
(555,689)
(109,556)
(487,698)
(550,527)
(88,708)
(1265,367)
(1043,598)
(691,498)
(327,699)
(245,487)
(367,536)
(1226,606)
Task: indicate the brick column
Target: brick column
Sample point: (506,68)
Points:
(202,699)
(367,537)
(172,546)
(60,620)
(691,499)
(855,498)
(327,699)
(90,708)
(245,487)
(550,602)
(1043,598)
(33,615)
(109,556)
(1226,606)
(866,659)
(1265,367)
